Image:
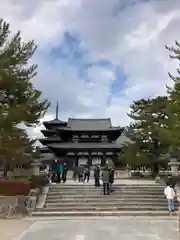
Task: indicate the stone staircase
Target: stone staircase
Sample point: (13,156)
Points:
(86,200)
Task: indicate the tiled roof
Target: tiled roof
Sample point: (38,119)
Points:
(89,124)
(54,121)
(84,145)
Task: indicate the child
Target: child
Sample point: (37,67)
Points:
(170,195)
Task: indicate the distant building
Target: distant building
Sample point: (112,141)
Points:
(81,141)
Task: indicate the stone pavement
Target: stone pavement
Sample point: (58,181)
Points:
(10,229)
(129,228)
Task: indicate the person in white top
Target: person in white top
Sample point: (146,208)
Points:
(170,195)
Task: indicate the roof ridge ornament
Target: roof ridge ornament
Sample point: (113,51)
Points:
(57,110)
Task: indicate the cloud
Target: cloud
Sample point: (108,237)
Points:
(96,57)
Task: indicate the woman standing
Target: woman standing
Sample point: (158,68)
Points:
(59,171)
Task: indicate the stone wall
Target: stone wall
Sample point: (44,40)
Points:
(13,206)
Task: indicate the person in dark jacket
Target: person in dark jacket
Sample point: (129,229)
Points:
(75,173)
(64,174)
(54,172)
(87,174)
(80,173)
(105,180)
(111,178)
(97,176)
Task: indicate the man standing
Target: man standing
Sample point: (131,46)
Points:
(64,174)
(54,171)
(75,173)
(105,180)
(97,176)
(80,173)
(170,195)
(111,178)
(87,174)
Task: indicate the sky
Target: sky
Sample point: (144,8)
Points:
(97,56)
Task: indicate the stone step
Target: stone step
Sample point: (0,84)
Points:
(115,193)
(101,213)
(92,188)
(104,200)
(108,204)
(84,186)
(127,207)
(100,194)
(101,187)
(115,187)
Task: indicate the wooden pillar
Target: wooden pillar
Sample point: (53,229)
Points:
(76,159)
(103,159)
(89,160)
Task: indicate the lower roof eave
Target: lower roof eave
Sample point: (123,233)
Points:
(83,147)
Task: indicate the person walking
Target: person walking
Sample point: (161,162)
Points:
(96,176)
(54,171)
(170,196)
(87,174)
(80,173)
(59,171)
(105,180)
(75,173)
(111,178)
(64,173)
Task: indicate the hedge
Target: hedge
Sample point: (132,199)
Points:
(14,187)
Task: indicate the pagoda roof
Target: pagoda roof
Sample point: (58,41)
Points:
(44,150)
(72,146)
(55,121)
(50,139)
(49,131)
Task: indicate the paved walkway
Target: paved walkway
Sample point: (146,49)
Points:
(11,229)
(129,228)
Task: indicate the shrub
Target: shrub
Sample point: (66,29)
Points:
(21,177)
(14,187)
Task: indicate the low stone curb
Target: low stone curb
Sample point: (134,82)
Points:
(42,197)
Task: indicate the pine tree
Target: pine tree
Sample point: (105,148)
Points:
(149,117)
(172,132)
(20,102)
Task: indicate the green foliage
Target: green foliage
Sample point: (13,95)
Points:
(20,102)
(172,132)
(155,127)
(149,117)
